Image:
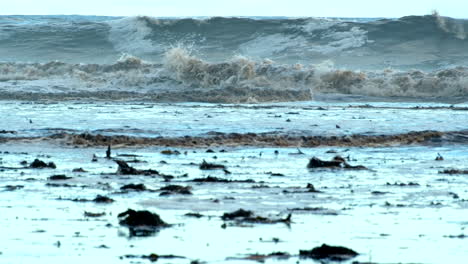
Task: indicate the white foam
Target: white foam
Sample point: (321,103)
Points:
(238,79)
(456,28)
(131,35)
(339,41)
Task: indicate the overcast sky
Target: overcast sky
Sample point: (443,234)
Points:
(320,8)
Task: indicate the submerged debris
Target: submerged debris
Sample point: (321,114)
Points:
(325,251)
(125,169)
(336,163)
(39,164)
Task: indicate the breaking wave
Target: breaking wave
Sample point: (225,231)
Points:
(182,76)
(423,42)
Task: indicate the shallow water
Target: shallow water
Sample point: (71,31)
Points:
(401,210)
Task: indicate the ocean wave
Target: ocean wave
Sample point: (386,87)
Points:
(183,76)
(422,42)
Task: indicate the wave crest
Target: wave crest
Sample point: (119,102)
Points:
(185,77)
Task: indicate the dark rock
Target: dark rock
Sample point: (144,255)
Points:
(439,157)
(132,218)
(329,252)
(337,162)
(210,166)
(59,177)
(135,187)
(102,199)
(39,164)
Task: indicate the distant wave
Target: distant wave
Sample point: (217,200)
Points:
(423,42)
(182,76)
